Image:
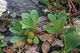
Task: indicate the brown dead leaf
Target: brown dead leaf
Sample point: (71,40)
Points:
(68,26)
(46,37)
(43,19)
(2,27)
(38,29)
(8,49)
(31,49)
(18,44)
(45,47)
(58,42)
(75,50)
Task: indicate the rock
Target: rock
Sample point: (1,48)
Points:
(3,6)
(7,39)
(17,7)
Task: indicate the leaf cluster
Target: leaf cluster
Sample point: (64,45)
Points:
(58,21)
(28,24)
(71,40)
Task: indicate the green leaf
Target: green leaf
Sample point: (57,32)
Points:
(26,19)
(75,42)
(14,30)
(16,39)
(36,40)
(1,37)
(52,18)
(57,24)
(25,26)
(45,1)
(51,29)
(63,21)
(70,39)
(62,14)
(17,24)
(2,44)
(34,16)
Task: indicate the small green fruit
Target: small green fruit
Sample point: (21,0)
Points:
(29,41)
(30,35)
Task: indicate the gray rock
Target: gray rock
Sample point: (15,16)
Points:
(20,6)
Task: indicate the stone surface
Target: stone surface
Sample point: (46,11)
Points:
(16,7)
(3,6)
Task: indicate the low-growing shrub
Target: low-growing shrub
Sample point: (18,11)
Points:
(25,29)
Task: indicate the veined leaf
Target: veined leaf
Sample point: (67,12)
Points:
(26,19)
(17,24)
(1,37)
(51,29)
(52,18)
(36,40)
(16,39)
(14,30)
(62,14)
(25,26)
(70,39)
(75,42)
(57,24)
(2,44)
(63,21)
(34,16)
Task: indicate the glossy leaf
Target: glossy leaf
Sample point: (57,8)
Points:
(52,18)
(51,29)
(17,24)
(26,19)
(62,14)
(34,16)
(2,44)
(16,39)
(1,37)
(25,26)
(14,30)
(36,40)
(57,24)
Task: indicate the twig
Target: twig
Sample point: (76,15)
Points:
(69,11)
(73,5)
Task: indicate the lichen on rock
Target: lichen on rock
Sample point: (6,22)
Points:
(3,6)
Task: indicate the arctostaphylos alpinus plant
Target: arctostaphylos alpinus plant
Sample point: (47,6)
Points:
(69,36)
(71,40)
(58,21)
(2,43)
(25,29)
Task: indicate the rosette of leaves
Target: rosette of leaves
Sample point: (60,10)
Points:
(71,40)
(2,43)
(28,24)
(58,21)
